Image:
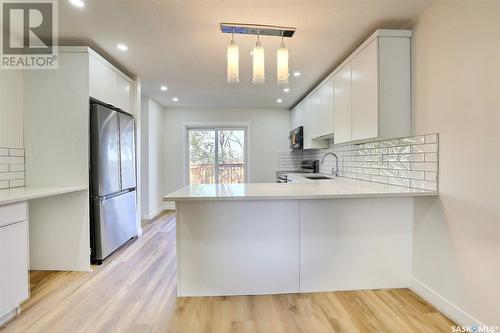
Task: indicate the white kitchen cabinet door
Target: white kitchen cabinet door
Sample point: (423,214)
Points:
(354,244)
(325,116)
(314,115)
(14,285)
(296,119)
(307,122)
(101,81)
(364,105)
(123,89)
(312,129)
(256,253)
(342,105)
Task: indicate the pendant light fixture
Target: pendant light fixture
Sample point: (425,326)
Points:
(282,64)
(233,59)
(258,72)
(258,59)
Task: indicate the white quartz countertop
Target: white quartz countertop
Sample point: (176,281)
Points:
(318,189)
(13,195)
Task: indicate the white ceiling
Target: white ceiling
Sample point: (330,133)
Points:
(178,43)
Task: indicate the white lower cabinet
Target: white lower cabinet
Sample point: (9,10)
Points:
(352,244)
(14,261)
(14,267)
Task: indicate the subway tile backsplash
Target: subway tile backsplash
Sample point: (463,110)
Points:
(11,167)
(410,162)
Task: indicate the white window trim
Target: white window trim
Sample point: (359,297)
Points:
(214,125)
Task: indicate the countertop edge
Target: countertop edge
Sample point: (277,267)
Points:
(31,193)
(304,197)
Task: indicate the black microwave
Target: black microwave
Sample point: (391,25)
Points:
(297,138)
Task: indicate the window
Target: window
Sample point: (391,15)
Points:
(217,155)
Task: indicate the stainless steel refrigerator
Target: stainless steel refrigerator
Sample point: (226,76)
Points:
(112,180)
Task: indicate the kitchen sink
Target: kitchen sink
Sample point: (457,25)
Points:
(319,177)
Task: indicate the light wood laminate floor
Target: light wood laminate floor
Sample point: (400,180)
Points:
(134,291)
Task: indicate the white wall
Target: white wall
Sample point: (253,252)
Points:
(144,160)
(152,174)
(268,134)
(11,109)
(456,68)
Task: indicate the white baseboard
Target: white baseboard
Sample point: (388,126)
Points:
(4,319)
(451,310)
(169,205)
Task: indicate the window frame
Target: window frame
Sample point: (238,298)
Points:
(216,127)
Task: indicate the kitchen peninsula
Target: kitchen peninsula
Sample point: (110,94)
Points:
(338,234)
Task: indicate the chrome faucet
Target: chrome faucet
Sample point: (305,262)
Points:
(335,171)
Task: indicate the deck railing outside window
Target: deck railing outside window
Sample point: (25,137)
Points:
(228,173)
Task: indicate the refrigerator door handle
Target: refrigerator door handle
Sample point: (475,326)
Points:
(113,195)
(127,152)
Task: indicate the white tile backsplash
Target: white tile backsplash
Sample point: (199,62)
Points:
(409,162)
(424,166)
(16,152)
(412,157)
(12,167)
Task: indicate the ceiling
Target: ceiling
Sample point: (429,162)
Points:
(178,43)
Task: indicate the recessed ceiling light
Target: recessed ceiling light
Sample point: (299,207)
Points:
(279,100)
(122,47)
(296,73)
(286,90)
(175,99)
(77,3)
(163,88)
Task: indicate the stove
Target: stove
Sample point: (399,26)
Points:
(306,166)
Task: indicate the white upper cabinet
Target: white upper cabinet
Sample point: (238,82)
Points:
(101,80)
(381,88)
(364,92)
(342,104)
(296,119)
(367,97)
(109,85)
(123,96)
(312,128)
(307,119)
(316,115)
(310,124)
(325,114)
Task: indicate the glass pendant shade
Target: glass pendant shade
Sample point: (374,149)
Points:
(282,65)
(233,59)
(258,72)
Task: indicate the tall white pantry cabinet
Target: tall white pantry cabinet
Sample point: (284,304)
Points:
(367,97)
(56,139)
